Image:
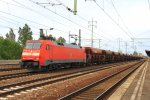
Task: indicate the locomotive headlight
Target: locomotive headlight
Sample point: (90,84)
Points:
(37,58)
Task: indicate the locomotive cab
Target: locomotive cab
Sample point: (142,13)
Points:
(36,53)
(31,54)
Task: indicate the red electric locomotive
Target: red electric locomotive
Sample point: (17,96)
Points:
(45,53)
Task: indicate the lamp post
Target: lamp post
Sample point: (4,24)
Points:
(51,29)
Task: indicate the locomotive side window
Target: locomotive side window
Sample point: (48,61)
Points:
(47,47)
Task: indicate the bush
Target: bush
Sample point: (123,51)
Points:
(10,49)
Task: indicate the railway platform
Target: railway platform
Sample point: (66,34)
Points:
(136,87)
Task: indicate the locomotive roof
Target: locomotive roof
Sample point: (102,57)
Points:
(56,43)
(67,45)
(36,41)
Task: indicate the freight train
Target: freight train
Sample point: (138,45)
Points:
(44,54)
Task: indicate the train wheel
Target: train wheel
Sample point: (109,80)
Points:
(22,65)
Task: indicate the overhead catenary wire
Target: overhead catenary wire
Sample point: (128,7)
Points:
(66,18)
(28,8)
(121,18)
(82,18)
(31,21)
(14,22)
(22,18)
(148,4)
(3,26)
(25,7)
(9,27)
(69,9)
(23,23)
(6,20)
(38,12)
(59,15)
(12,28)
(113,20)
(42,15)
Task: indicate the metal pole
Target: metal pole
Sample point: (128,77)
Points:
(126,47)
(99,43)
(46,35)
(133,45)
(69,36)
(46,32)
(119,45)
(75,7)
(92,32)
(79,37)
(91,23)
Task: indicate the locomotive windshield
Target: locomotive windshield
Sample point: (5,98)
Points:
(33,45)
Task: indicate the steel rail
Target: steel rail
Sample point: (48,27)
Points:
(44,81)
(2,77)
(9,64)
(9,76)
(100,96)
(10,69)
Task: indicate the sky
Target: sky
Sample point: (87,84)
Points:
(118,24)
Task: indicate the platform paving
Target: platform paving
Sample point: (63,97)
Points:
(136,87)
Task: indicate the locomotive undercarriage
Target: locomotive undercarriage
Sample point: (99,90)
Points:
(29,64)
(64,65)
(34,65)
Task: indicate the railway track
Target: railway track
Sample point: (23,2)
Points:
(100,89)
(28,73)
(9,69)
(2,77)
(22,86)
(9,66)
(14,73)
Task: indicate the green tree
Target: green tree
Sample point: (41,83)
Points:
(1,43)
(50,37)
(61,40)
(10,49)
(10,34)
(25,34)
